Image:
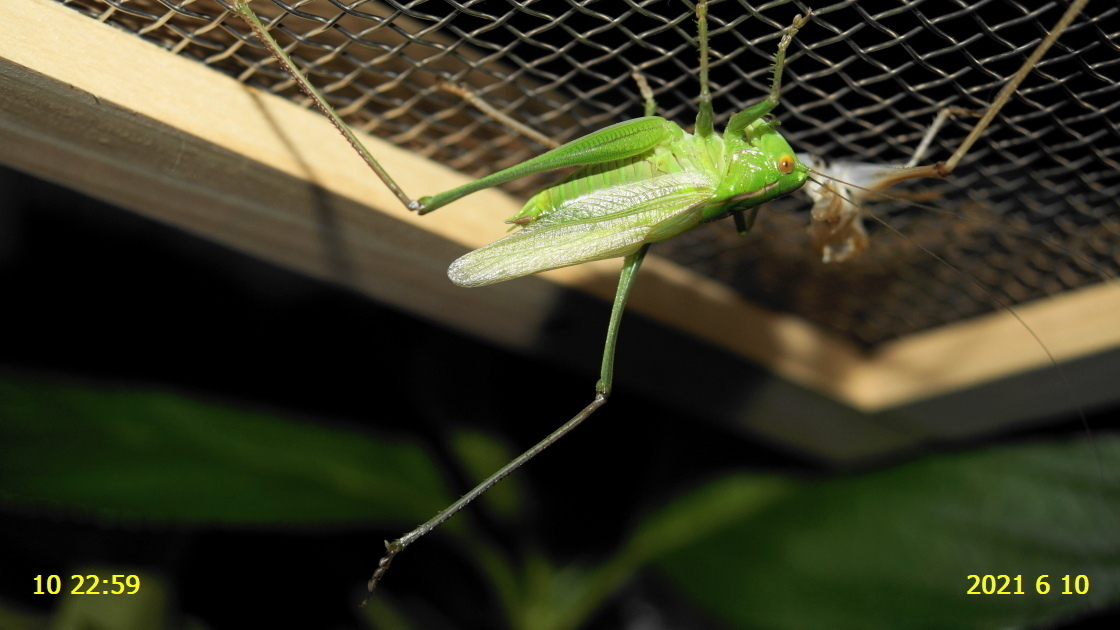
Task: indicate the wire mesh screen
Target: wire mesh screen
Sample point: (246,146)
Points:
(864,82)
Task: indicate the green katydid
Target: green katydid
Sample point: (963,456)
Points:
(638,182)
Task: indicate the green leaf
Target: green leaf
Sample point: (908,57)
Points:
(149,455)
(572,593)
(894,548)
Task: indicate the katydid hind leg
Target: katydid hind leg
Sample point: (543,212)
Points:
(612,143)
(616,142)
(242,8)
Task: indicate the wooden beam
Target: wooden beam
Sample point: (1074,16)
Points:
(104,112)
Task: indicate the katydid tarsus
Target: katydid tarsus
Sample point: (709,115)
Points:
(636,183)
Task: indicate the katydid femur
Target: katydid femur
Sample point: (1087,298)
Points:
(638,182)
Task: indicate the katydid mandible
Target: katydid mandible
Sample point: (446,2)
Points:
(638,182)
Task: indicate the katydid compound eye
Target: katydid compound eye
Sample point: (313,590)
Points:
(786,164)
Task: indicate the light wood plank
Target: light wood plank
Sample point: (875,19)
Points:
(109,114)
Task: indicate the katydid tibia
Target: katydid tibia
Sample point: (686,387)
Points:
(636,183)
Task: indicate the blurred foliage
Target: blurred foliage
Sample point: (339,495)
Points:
(153,456)
(886,548)
(895,548)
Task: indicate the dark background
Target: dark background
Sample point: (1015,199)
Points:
(97,294)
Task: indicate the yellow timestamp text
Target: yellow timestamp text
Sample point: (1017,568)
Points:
(1013,584)
(89,585)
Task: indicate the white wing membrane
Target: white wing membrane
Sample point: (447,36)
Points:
(607,223)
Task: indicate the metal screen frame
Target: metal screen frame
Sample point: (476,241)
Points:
(864,82)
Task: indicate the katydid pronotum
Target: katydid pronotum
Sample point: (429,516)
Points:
(640,182)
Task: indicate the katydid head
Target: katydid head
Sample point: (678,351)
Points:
(782,164)
(758,170)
